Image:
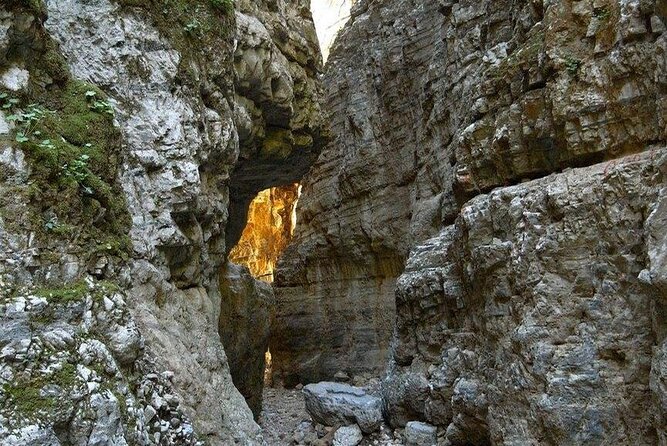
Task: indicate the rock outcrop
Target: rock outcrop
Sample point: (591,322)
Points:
(430,105)
(529,312)
(132,135)
(75,372)
(535,318)
(247,311)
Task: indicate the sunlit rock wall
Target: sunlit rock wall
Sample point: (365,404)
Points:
(271,221)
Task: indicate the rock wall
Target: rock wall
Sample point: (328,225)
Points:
(536,317)
(248,307)
(134,165)
(268,231)
(432,104)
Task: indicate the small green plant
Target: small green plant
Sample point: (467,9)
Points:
(572,65)
(98,105)
(78,170)
(7,101)
(52,224)
(46,144)
(26,120)
(601,13)
(194,26)
(224,6)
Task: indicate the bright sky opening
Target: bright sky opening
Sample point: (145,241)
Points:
(329,16)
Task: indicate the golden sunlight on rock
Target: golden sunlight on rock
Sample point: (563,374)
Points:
(271,221)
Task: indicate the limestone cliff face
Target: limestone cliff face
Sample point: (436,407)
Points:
(432,104)
(132,168)
(535,317)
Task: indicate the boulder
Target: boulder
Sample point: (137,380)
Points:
(420,434)
(333,404)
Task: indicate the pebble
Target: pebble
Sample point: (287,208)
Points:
(149,413)
(108,304)
(341,377)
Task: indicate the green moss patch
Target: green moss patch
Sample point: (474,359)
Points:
(25,394)
(35,7)
(78,291)
(65,128)
(197,20)
(73,148)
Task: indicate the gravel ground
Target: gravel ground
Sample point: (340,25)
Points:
(283,411)
(285,422)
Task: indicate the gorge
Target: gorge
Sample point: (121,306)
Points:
(463,212)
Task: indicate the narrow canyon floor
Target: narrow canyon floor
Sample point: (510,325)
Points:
(285,422)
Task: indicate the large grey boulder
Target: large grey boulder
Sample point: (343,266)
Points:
(335,403)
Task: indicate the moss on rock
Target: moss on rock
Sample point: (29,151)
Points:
(198,30)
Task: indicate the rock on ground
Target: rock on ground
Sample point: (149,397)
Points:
(348,436)
(334,404)
(417,433)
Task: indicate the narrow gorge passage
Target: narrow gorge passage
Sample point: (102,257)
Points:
(333,222)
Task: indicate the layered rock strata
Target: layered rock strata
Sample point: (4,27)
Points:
(127,133)
(536,317)
(431,104)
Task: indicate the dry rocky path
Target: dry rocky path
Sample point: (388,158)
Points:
(285,422)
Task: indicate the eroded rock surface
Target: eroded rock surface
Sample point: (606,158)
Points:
(530,311)
(435,102)
(533,319)
(247,310)
(75,371)
(132,165)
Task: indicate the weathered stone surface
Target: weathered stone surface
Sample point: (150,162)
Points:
(64,381)
(348,436)
(191,123)
(246,312)
(335,404)
(420,434)
(431,104)
(277,112)
(531,319)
